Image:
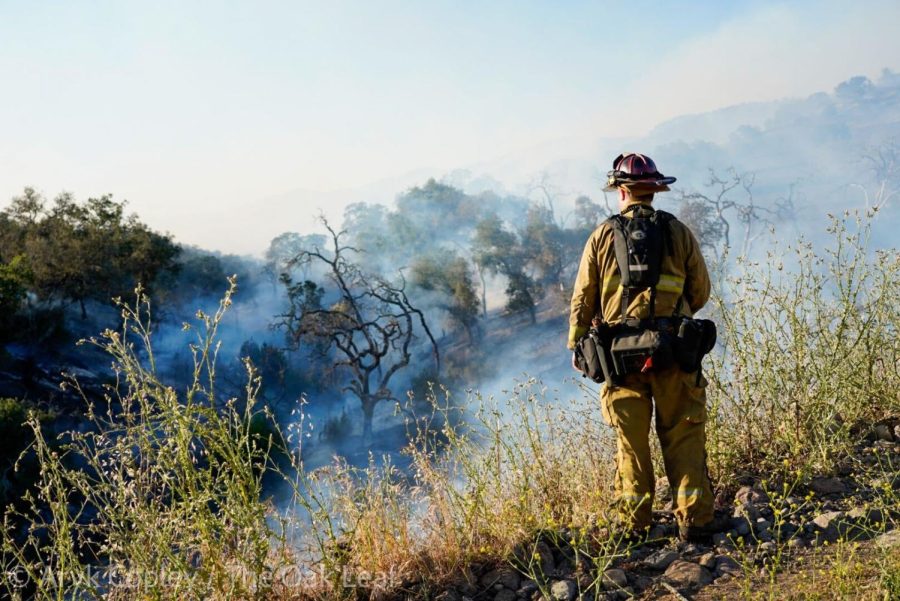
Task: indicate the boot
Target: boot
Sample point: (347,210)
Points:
(703,533)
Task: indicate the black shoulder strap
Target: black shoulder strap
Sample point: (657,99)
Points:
(620,248)
(667,219)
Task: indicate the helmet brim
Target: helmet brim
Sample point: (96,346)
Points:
(643,186)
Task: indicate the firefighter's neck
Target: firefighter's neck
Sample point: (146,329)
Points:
(626,200)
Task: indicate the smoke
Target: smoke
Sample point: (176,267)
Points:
(827,153)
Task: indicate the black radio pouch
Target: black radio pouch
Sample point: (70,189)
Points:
(695,339)
(592,354)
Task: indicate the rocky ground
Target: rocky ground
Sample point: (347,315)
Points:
(772,532)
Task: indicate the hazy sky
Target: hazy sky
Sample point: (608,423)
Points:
(193,109)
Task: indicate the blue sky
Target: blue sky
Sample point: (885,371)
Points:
(197,108)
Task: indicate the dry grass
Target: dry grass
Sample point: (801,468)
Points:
(174,480)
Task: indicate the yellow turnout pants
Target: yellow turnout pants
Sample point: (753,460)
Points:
(680,424)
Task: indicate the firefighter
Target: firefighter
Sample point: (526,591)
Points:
(679,398)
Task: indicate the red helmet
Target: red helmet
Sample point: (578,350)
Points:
(633,170)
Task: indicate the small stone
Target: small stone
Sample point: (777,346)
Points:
(797,543)
(746,512)
(505,595)
(708,560)
(547,564)
(506,577)
(614,579)
(537,556)
(828,486)
(768,548)
(657,533)
(661,560)
(868,515)
(527,588)
(742,528)
(563,590)
(720,539)
(723,578)
(826,519)
(889,540)
(449,595)
(897,432)
(883,432)
(688,574)
(465,583)
(727,565)
(793,501)
(747,494)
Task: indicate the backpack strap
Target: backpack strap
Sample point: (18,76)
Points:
(620,247)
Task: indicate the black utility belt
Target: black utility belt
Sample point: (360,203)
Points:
(610,352)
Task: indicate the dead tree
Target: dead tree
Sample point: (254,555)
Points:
(710,215)
(370,325)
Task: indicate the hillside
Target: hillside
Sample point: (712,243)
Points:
(384,408)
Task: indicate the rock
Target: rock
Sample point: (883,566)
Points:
(449,595)
(786,531)
(824,520)
(747,494)
(727,565)
(830,525)
(465,583)
(505,576)
(563,590)
(614,579)
(538,556)
(828,486)
(708,560)
(897,432)
(742,527)
(657,533)
(888,540)
(869,515)
(768,548)
(505,595)
(747,512)
(661,560)
(688,574)
(883,432)
(762,525)
(797,543)
(527,588)
(720,539)
(545,553)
